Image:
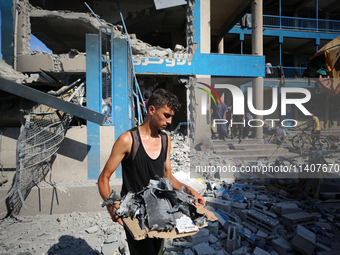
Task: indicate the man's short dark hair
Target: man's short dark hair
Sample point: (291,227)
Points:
(161,98)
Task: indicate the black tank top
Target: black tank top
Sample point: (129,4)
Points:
(139,168)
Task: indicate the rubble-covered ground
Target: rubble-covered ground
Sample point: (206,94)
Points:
(255,216)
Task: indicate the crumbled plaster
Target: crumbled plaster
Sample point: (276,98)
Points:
(7,72)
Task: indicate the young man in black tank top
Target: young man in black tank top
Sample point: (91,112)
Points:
(144,155)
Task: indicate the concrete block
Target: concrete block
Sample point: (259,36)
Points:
(188,252)
(250,227)
(200,237)
(238,207)
(212,239)
(286,208)
(261,234)
(213,228)
(181,246)
(243,214)
(233,239)
(263,209)
(259,251)
(203,249)
(261,221)
(324,225)
(240,251)
(249,195)
(262,198)
(219,204)
(304,240)
(290,221)
(282,246)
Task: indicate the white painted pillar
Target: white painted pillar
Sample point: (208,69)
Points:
(257,49)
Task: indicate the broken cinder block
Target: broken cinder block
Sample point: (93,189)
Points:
(283,247)
(219,204)
(259,251)
(201,236)
(290,221)
(260,221)
(286,208)
(304,240)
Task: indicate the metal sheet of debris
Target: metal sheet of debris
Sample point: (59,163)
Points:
(140,234)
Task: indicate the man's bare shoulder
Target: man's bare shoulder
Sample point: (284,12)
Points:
(125,138)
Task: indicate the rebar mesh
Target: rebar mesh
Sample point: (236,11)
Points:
(40,139)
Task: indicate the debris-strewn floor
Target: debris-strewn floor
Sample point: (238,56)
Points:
(256,216)
(65,234)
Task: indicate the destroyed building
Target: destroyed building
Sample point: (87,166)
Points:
(179,48)
(173,47)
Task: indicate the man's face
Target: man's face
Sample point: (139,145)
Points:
(161,117)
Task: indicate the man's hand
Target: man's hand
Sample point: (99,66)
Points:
(112,209)
(198,198)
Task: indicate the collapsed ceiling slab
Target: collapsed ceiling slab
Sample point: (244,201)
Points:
(61,31)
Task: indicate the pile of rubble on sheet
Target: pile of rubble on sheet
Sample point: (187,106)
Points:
(257,217)
(160,207)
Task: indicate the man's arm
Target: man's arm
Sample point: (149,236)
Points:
(176,183)
(120,149)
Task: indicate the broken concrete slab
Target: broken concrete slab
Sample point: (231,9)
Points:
(48,26)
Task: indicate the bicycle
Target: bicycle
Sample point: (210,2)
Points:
(306,141)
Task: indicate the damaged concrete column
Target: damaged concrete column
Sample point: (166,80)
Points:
(257,49)
(22,30)
(203,118)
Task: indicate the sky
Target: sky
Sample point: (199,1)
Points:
(36,44)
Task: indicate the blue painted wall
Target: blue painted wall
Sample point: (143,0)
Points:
(93,102)
(7,31)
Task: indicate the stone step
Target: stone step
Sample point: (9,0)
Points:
(255,157)
(249,152)
(244,146)
(236,141)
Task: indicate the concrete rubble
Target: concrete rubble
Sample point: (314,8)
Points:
(255,216)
